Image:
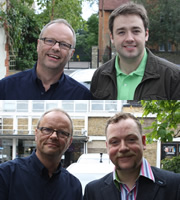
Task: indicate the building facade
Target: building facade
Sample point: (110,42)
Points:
(18,120)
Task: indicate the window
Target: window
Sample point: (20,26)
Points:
(9,106)
(7,126)
(96,105)
(22,106)
(38,106)
(106,106)
(162,47)
(15,106)
(68,106)
(81,106)
(51,105)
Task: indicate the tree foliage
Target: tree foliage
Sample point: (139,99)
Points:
(166,125)
(86,38)
(164,16)
(22,29)
(70,10)
(23,25)
(171,164)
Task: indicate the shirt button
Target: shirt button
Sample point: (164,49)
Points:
(42,93)
(125,85)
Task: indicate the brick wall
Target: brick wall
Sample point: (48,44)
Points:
(96,126)
(7,58)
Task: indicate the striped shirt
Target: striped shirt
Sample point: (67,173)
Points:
(125,192)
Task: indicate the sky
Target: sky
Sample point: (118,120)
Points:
(87,11)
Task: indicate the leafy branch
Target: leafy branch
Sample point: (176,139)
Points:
(167,123)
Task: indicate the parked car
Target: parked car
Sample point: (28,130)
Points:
(93,158)
(87,170)
(83,76)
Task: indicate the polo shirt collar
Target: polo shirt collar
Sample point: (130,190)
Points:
(139,71)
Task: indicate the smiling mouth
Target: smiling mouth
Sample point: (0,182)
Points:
(129,46)
(53,56)
(52,144)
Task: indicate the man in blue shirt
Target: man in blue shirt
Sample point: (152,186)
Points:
(41,176)
(56,46)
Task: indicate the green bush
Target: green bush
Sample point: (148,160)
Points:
(171,164)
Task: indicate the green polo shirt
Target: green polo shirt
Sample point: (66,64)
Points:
(127,83)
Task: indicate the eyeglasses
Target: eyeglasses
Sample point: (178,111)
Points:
(52,42)
(50,131)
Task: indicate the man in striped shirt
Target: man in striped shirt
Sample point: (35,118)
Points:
(133,177)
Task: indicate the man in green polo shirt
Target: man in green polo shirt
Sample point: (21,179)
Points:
(135,73)
(127,83)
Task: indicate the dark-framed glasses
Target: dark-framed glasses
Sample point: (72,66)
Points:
(51,42)
(50,131)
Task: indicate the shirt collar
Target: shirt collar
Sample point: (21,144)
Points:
(139,71)
(37,80)
(40,168)
(145,171)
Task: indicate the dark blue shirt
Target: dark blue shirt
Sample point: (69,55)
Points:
(26,86)
(27,179)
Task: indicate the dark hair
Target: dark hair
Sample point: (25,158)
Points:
(123,116)
(56,110)
(126,9)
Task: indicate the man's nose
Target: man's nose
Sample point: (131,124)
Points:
(56,46)
(54,134)
(123,146)
(129,36)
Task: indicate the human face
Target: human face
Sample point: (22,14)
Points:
(125,145)
(129,37)
(54,57)
(51,145)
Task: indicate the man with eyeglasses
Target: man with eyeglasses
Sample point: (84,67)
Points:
(56,46)
(41,176)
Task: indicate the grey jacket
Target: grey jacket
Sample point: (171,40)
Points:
(166,187)
(161,81)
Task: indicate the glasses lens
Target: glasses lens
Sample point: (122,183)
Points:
(63,133)
(65,46)
(46,131)
(49,42)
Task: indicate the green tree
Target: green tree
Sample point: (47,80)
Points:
(86,38)
(23,25)
(22,29)
(92,25)
(70,10)
(164,16)
(166,125)
(171,164)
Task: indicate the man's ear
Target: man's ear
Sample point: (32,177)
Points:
(107,147)
(147,35)
(144,142)
(72,53)
(35,134)
(111,37)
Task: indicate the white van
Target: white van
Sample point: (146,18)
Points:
(90,167)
